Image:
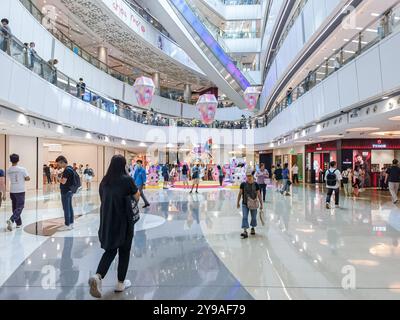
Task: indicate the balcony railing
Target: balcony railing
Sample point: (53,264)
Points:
(62,37)
(365,39)
(22,54)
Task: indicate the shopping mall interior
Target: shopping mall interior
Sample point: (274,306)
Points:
(257,142)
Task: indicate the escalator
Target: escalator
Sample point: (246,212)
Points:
(191,33)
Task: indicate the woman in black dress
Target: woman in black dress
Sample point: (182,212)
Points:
(117,189)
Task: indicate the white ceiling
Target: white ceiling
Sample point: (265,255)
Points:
(121,60)
(363,17)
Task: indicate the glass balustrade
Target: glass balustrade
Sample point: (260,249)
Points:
(19,52)
(58,34)
(369,36)
(365,39)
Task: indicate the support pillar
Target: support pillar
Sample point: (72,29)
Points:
(102,55)
(187,94)
(156,80)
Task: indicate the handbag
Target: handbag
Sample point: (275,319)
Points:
(252,204)
(135,210)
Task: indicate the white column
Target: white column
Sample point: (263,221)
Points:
(187,94)
(156,80)
(102,53)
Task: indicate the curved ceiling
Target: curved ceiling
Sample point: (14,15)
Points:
(99,20)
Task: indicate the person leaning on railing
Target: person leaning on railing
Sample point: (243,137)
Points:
(52,64)
(6,33)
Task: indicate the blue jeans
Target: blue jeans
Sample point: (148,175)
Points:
(66,200)
(245,221)
(286,186)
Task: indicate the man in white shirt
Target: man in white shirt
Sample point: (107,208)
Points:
(295,172)
(17,176)
(332,178)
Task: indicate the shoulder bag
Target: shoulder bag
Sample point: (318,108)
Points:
(252,204)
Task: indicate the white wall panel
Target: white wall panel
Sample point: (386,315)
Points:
(18,94)
(243,45)
(319,12)
(389,53)
(308,108)
(318,101)
(368,68)
(36,98)
(331,94)
(309,23)
(330,5)
(348,88)
(298,112)
(6,75)
(5,8)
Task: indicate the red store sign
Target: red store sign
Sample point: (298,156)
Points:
(371,144)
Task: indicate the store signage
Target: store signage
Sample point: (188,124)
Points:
(127,15)
(379,145)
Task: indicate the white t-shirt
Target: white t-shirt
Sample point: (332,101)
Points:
(338,178)
(17,177)
(295,170)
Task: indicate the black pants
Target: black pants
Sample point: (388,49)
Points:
(263,189)
(329,196)
(295,178)
(18,204)
(221,180)
(124,253)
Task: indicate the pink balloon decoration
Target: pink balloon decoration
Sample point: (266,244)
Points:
(251,96)
(207,106)
(144,91)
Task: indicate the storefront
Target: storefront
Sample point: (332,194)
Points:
(291,156)
(317,161)
(265,157)
(371,155)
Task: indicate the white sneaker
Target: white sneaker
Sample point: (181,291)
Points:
(64,228)
(9,225)
(71,226)
(95,286)
(122,286)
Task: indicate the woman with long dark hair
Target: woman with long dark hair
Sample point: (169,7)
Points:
(117,190)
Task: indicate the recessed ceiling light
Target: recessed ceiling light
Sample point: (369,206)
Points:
(329,136)
(386,134)
(395,118)
(362,129)
(385,98)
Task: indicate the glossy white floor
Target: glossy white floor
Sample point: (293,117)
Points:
(303,252)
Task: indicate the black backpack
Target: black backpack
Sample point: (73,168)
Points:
(76,181)
(331,178)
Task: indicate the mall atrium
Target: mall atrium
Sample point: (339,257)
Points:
(199,149)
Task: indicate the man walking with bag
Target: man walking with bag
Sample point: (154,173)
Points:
(252,200)
(393,177)
(332,178)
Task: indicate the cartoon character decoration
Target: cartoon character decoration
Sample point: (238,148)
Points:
(237,179)
(153,176)
(208,149)
(251,96)
(144,91)
(239,175)
(207,106)
(216,173)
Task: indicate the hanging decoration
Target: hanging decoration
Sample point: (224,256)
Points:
(144,91)
(251,96)
(207,106)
